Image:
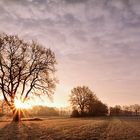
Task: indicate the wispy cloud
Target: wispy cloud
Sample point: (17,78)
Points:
(94,40)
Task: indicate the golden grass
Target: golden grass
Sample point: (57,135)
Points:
(72,129)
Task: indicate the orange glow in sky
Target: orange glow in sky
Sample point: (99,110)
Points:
(20,105)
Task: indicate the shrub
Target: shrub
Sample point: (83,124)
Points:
(75,113)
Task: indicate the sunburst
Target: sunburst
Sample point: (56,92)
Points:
(21,105)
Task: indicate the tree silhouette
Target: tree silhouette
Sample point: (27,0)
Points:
(97,108)
(25,68)
(75,113)
(81,98)
(131,110)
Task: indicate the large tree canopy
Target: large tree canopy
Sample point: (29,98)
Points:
(86,103)
(25,68)
(81,98)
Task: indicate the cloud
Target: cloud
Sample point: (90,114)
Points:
(75,1)
(112,22)
(96,37)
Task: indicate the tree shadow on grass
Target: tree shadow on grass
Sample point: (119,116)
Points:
(9,131)
(19,131)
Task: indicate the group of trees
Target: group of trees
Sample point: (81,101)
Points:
(43,111)
(34,111)
(132,110)
(27,69)
(86,103)
(37,110)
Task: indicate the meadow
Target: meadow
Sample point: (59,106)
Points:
(120,128)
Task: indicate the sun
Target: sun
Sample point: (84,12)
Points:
(21,105)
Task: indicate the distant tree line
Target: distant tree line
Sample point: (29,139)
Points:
(34,111)
(43,111)
(86,103)
(37,110)
(132,110)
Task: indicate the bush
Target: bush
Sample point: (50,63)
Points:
(75,113)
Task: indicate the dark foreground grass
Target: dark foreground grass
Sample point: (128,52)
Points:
(72,129)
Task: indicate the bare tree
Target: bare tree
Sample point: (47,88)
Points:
(81,98)
(25,68)
(136,109)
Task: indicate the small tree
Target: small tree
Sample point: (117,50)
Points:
(75,113)
(136,109)
(25,68)
(81,98)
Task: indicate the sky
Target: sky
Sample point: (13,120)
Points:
(96,43)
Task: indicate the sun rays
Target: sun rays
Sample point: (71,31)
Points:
(20,109)
(21,105)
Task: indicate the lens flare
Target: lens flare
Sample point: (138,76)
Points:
(21,105)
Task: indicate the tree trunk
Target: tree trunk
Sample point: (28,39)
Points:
(17,115)
(16,111)
(82,112)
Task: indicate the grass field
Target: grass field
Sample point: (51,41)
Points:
(72,129)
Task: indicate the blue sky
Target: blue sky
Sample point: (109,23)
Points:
(96,42)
